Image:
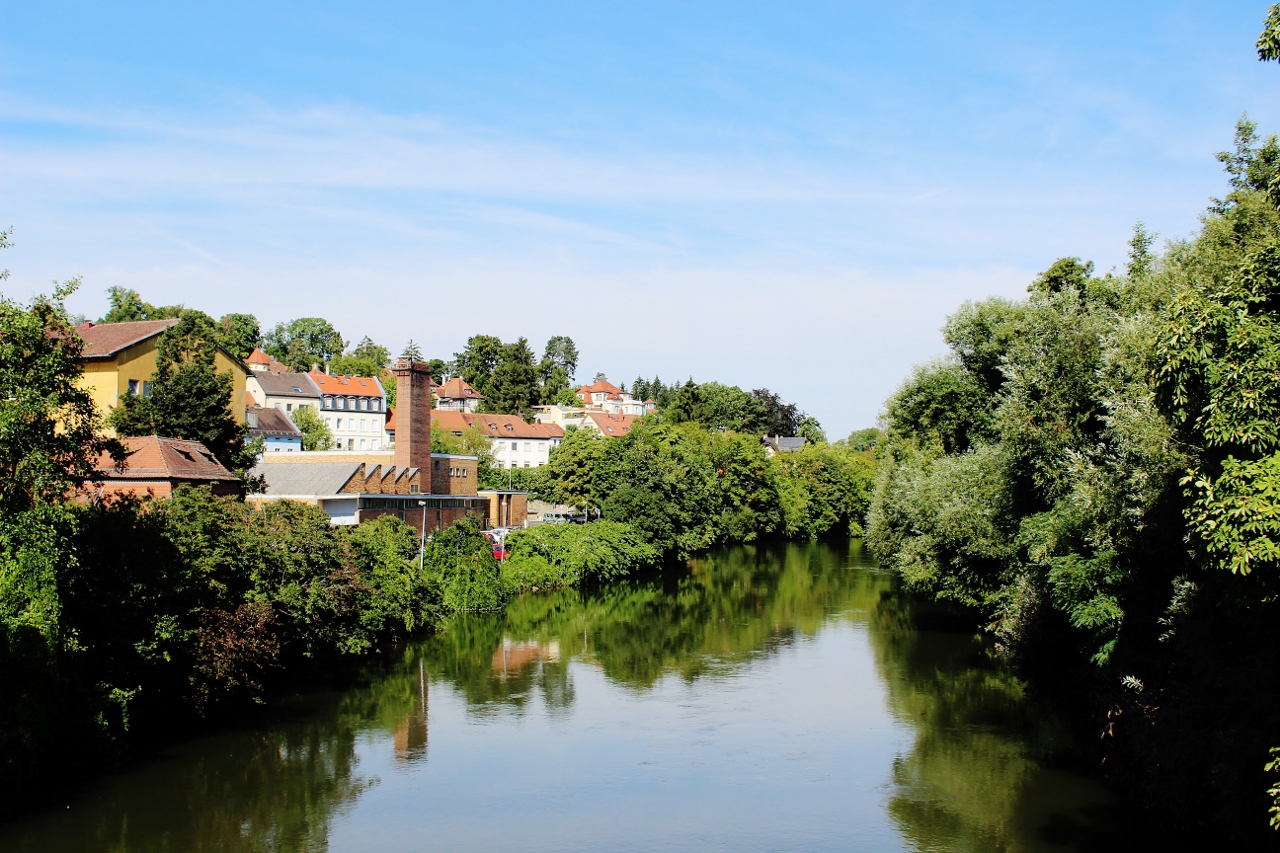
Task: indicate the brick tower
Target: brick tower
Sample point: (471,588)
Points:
(413,415)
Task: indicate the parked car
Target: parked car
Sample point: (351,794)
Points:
(500,553)
(557,517)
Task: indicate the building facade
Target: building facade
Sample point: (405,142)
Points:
(514,443)
(120,359)
(354,409)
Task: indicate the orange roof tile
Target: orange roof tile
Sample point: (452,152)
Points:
(613,425)
(346,386)
(151,457)
(604,385)
(456,389)
(494,426)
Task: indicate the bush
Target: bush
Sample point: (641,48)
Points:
(601,550)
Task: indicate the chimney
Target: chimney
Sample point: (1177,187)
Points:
(413,415)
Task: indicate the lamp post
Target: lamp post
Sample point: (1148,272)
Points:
(422,537)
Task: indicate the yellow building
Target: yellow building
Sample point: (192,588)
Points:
(120,358)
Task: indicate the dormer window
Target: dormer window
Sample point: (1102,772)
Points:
(296,389)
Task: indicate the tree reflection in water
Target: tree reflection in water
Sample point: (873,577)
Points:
(972,778)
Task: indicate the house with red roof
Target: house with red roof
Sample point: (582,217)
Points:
(515,444)
(457,394)
(354,409)
(155,465)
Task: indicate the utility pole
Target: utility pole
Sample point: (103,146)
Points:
(422,537)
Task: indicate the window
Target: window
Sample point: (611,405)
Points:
(526,447)
(413,488)
(373,444)
(342,402)
(526,463)
(134,386)
(339,423)
(296,389)
(328,402)
(328,422)
(351,444)
(435,463)
(288,407)
(146,390)
(362,425)
(362,444)
(377,405)
(514,445)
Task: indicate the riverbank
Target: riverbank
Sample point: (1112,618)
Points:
(778,694)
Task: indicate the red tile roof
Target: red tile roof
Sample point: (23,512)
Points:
(107,339)
(603,386)
(456,389)
(494,426)
(449,420)
(260,357)
(346,386)
(391,419)
(612,425)
(153,457)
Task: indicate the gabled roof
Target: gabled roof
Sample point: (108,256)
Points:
(286,385)
(152,457)
(272,423)
(612,425)
(603,386)
(391,419)
(346,386)
(513,426)
(107,339)
(260,357)
(449,420)
(456,389)
(494,426)
(784,444)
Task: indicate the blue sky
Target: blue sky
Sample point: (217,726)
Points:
(784,195)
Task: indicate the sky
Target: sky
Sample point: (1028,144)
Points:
(783,195)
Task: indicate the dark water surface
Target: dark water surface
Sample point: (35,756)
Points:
(765,699)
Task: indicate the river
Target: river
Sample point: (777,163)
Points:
(771,698)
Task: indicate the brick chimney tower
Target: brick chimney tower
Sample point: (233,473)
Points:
(413,416)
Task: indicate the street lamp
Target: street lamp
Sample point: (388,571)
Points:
(422,537)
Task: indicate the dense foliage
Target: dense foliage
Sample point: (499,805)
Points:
(189,398)
(1094,469)
(688,488)
(558,555)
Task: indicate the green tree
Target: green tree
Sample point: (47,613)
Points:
(558,365)
(728,407)
(1269,40)
(365,359)
(780,417)
(49,445)
(189,398)
(239,334)
(315,435)
(478,360)
(687,405)
(571,466)
(126,305)
(513,388)
(412,352)
(303,343)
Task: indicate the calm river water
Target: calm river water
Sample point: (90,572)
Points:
(765,699)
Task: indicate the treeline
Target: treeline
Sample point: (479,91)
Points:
(688,487)
(1095,469)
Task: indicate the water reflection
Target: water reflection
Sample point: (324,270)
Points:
(956,759)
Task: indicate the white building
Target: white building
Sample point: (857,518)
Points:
(354,409)
(515,444)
